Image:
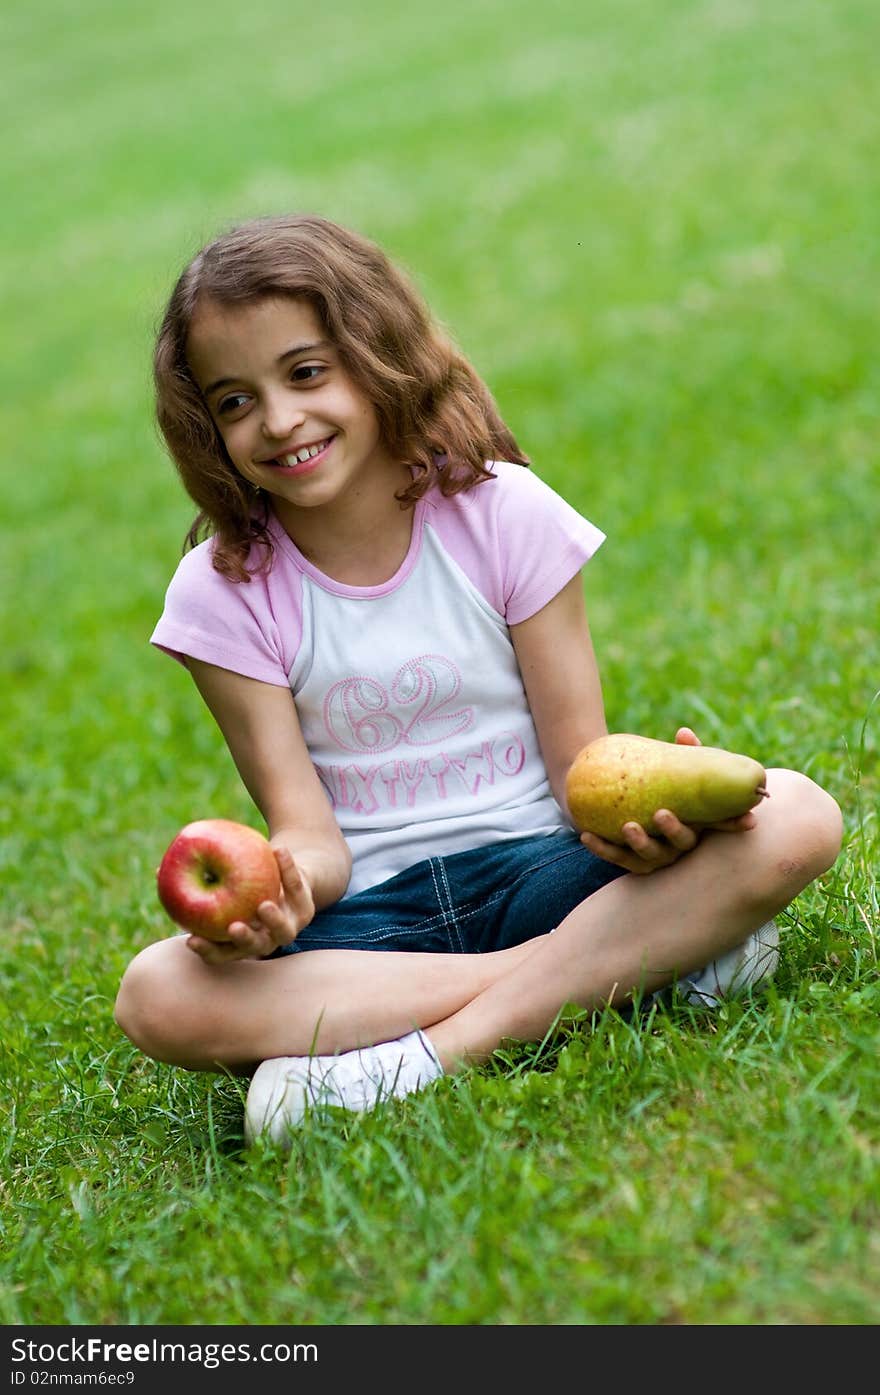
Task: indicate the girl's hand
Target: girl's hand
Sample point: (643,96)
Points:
(644,853)
(276,923)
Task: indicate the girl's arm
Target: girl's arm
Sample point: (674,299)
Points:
(561,678)
(262,731)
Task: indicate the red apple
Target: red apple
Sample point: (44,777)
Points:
(216,871)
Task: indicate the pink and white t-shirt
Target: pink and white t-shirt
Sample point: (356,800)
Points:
(409,693)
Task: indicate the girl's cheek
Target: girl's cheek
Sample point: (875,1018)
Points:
(233,442)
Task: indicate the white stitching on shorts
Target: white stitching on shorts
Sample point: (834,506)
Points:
(452,912)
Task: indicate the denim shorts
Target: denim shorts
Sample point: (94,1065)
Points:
(467,903)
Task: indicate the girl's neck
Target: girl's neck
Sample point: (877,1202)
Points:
(361,541)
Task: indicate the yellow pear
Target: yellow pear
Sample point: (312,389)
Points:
(623,778)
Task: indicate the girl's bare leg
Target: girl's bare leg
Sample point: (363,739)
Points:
(636,934)
(178,1009)
(640,932)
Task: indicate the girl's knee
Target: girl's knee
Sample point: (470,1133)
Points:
(802,827)
(149,1009)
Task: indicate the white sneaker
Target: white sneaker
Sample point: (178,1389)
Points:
(285,1087)
(743,969)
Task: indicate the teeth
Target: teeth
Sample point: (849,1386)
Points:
(307,453)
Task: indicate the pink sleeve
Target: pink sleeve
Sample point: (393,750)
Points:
(252,628)
(517,540)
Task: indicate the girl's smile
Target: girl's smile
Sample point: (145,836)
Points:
(302,460)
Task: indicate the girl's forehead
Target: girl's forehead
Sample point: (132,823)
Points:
(220,333)
(275,315)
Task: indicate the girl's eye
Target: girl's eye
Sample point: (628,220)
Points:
(306,372)
(231,404)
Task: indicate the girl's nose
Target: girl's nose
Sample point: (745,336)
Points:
(282,414)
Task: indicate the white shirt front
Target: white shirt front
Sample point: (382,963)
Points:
(409,693)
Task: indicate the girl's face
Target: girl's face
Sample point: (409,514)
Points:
(292,420)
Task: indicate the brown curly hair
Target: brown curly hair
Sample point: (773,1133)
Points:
(431,405)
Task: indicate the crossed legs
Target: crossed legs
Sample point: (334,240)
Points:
(634,935)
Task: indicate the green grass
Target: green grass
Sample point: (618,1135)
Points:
(652,226)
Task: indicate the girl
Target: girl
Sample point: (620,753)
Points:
(386,619)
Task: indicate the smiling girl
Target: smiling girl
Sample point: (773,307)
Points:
(382,606)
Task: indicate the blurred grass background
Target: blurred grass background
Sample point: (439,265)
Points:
(651,224)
